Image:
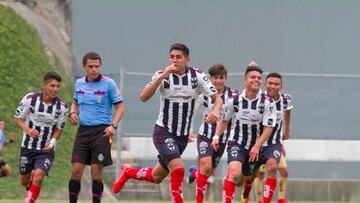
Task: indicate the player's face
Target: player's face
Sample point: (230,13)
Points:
(92,68)
(2,124)
(178,58)
(51,88)
(252,80)
(219,82)
(273,86)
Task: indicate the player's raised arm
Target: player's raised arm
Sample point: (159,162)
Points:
(158,77)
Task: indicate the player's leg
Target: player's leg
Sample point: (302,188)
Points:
(271,154)
(177,173)
(283,180)
(233,174)
(245,193)
(258,183)
(77,170)
(203,173)
(35,187)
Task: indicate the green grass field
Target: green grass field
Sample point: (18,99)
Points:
(65,201)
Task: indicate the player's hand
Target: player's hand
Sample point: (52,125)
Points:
(254,153)
(192,137)
(48,147)
(32,133)
(109,132)
(286,135)
(168,70)
(215,145)
(212,117)
(74,119)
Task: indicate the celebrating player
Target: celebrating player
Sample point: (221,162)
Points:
(208,158)
(273,153)
(179,87)
(42,116)
(254,119)
(94,97)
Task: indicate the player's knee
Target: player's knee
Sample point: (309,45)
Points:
(271,166)
(206,170)
(234,174)
(284,172)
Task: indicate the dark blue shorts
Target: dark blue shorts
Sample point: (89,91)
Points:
(31,159)
(236,152)
(168,145)
(91,146)
(270,151)
(204,149)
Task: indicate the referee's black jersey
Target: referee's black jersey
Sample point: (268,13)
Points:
(284,103)
(45,118)
(206,105)
(249,117)
(178,95)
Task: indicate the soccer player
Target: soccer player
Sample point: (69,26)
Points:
(94,97)
(42,116)
(179,86)
(5,169)
(272,151)
(208,158)
(253,121)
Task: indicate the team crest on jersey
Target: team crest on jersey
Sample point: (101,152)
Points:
(194,82)
(234,151)
(57,113)
(170,144)
(261,107)
(202,147)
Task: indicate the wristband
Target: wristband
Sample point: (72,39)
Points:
(216,137)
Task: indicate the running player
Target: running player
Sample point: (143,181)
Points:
(253,121)
(179,86)
(42,116)
(208,158)
(272,151)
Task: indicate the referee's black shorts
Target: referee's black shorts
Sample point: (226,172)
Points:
(91,146)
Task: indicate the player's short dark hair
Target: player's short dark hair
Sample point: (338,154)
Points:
(182,47)
(218,69)
(274,75)
(91,56)
(51,76)
(253,68)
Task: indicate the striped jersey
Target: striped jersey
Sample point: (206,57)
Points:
(248,117)
(281,105)
(178,95)
(45,118)
(206,104)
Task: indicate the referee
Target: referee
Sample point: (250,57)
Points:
(94,96)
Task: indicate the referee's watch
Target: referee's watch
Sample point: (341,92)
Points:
(114,125)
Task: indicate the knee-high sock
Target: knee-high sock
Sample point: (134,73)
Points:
(97,191)
(258,183)
(228,191)
(140,174)
(33,193)
(176,180)
(269,188)
(74,189)
(282,188)
(201,183)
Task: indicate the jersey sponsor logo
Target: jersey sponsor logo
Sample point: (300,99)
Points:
(202,147)
(57,113)
(170,144)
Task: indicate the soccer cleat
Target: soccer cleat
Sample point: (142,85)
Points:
(192,170)
(120,182)
(245,196)
(282,201)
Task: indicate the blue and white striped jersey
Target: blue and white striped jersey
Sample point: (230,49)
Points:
(248,117)
(206,105)
(45,118)
(284,103)
(178,95)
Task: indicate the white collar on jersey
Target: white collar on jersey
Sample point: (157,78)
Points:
(243,94)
